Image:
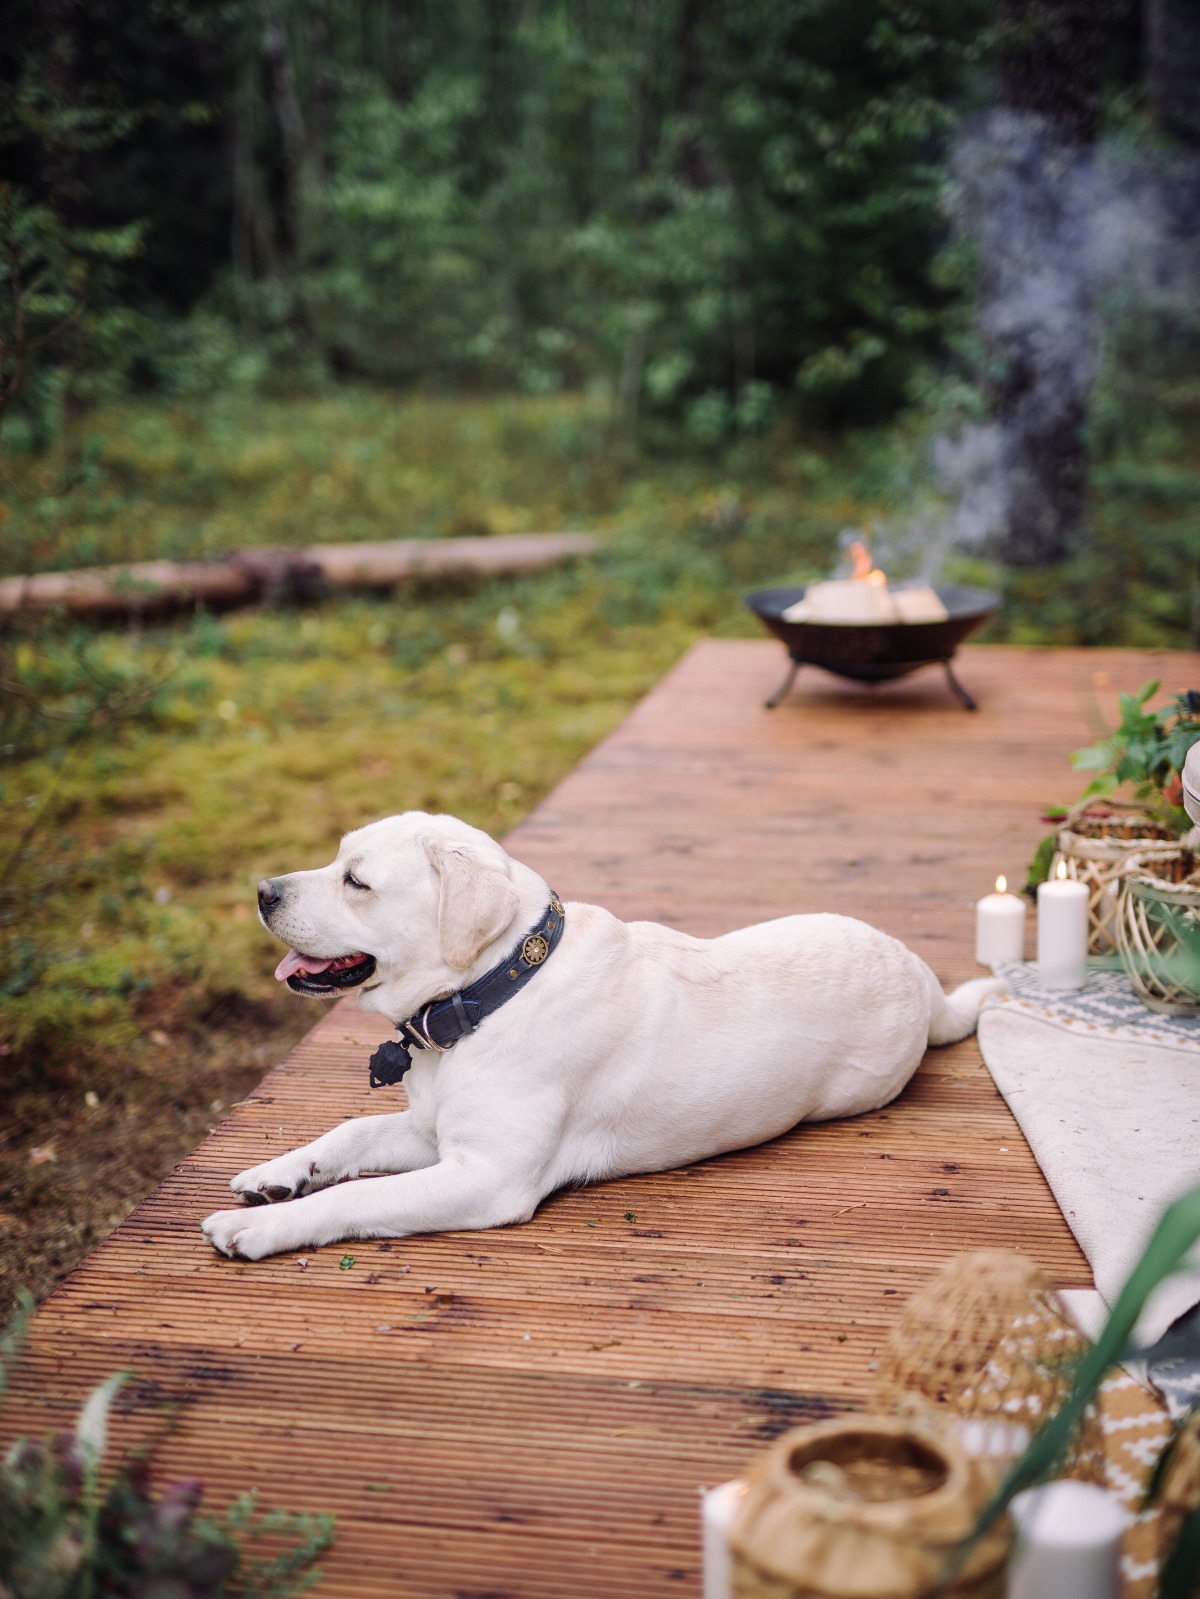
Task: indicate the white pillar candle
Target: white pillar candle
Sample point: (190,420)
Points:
(1068,1543)
(1062,931)
(999,927)
(718,1509)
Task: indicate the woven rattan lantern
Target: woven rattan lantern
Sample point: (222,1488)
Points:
(1159,943)
(986,1339)
(1104,850)
(863,1507)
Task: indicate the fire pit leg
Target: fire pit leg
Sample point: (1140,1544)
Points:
(958,690)
(784,688)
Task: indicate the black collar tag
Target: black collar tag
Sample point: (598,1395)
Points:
(440,1025)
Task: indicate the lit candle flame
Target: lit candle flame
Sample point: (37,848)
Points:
(1002,885)
(1061,870)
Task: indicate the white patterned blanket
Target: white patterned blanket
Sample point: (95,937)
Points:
(1107,1093)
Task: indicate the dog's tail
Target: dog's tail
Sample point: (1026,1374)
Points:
(953,1016)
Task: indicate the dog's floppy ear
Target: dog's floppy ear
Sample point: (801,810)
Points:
(476,903)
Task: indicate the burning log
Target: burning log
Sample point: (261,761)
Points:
(155,587)
(865,596)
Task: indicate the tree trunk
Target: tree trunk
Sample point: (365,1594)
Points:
(289,120)
(154,587)
(1173,65)
(1037,313)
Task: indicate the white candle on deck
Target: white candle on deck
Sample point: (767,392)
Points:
(1062,933)
(1068,1543)
(718,1509)
(999,927)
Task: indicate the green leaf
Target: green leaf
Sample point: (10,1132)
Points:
(1096,758)
(1039,867)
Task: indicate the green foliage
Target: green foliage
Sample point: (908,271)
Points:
(65,1533)
(708,210)
(1039,866)
(1146,751)
(709,205)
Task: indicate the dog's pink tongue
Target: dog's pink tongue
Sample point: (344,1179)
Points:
(293,961)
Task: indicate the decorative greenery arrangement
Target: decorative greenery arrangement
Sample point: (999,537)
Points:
(65,1535)
(1144,753)
(1165,1254)
(1146,750)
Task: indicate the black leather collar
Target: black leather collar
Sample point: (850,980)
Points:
(440,1025)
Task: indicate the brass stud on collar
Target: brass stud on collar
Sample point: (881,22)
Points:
(534,950)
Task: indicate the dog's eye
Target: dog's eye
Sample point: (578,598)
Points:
(352,882)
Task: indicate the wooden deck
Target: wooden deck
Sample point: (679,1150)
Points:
(530,1412)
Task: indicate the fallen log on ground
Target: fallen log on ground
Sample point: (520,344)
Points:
(247,576)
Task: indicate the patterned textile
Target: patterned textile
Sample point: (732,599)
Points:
(1107,1092)
(1107,1004)
(1135,1429)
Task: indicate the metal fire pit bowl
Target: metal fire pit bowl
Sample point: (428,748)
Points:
(875,652)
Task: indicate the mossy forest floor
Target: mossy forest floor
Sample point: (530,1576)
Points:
(151,775)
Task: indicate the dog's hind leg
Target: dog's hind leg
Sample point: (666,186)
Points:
(368,1143)
(458,1194)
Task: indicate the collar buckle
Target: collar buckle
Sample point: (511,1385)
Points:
(418,1027)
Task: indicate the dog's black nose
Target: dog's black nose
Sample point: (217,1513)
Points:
(269,895)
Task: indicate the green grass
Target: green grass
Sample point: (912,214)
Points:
(190,759)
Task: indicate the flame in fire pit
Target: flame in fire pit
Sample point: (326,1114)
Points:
(865,570)
(865,599)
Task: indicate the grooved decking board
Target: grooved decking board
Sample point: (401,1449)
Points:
(530,1412)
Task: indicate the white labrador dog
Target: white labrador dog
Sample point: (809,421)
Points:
(630,1048)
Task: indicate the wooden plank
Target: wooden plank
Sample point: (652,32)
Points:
(531,1411)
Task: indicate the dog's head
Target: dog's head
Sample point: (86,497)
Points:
(408,908)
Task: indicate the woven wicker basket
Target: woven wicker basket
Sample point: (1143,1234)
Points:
(1104,848)
(986,1340)
(1159,943)
(863,1506)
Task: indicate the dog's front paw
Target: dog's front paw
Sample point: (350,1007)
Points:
(241,1234)
(286,1177)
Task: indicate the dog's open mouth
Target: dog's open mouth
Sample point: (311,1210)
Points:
(309,974)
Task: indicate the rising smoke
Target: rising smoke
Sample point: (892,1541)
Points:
(1066,234)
